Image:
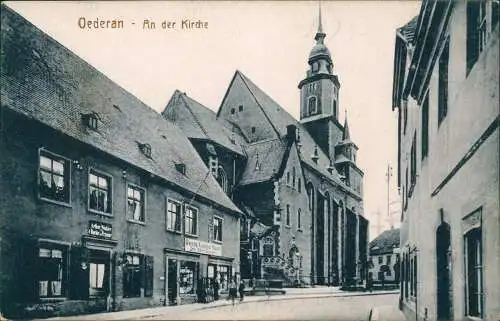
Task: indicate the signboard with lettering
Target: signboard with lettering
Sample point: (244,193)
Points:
(100,229)
(197,246)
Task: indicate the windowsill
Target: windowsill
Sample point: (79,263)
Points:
(100,213)
(288,226)
(217,241)
(136,222)
(471,318)
(174,231)
(53,299)
(48,200)
(300,230)
(192,235)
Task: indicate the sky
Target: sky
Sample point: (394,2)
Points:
(268,41)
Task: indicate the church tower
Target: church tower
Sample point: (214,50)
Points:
(319,96)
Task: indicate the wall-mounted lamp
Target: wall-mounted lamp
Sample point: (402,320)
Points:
(124,174)
(77,165)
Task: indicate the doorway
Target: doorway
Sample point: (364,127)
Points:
(443,275)
(172,281)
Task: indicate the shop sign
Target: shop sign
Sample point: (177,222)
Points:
(202,247)
(100,229)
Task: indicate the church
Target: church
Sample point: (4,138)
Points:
(297,182)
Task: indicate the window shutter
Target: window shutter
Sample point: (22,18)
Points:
(148,275)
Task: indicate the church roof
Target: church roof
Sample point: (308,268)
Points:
(46,82)
(280,119)
(386,242)
(199,122)
(264,160)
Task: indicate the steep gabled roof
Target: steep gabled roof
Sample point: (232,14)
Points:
(386,242)
(264,161)
(280,119)
(199,122)
(45,81)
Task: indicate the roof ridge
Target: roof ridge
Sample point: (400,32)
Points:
(245,79)
(193,114)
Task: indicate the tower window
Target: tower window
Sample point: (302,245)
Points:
(315,67)
(240,108)
(312,105)
(253,129)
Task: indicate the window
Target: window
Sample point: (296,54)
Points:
(413,165)
(473,253)
(135,203)
(96,272)
(253,129)
(187,277)
(494,13)
(388,260)
(222,179)
(181,168)
(315,67)
(145,149)
(224,275)
(407,188)
(54,177)
(476,31)
(380,260)
(287,178)
(99,192)
(173,216)
(137,275)
(405,116)
(299,223)
(299,185)
(233,111)
(51,271)
(293,177)
(240,108)
(268,247)
(443,82)
(312,105)
(425,127)
(90,120)
(217,229)
(191,220)
(287,215)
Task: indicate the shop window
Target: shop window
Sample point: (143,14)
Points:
(96,272)
(224,276)
(217,229)
(191,220)
(51,271)
(187,277)
(173,216)
(138,276)
(99,192)
(135,203)
(474,273)
(54,177)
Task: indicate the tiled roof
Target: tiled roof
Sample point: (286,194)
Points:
(385,242)
(44,81)
(264,160)
(280,119)
(408,30)
(200,122)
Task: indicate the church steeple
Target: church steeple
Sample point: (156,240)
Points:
(346,135)
(320,35)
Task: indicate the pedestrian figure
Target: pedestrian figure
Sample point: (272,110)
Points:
(216,290)
(232,291)
(241,289)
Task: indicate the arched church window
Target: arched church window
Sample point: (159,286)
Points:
(293,177)
(312,105)
(287,178)
(335,107)
(222,179)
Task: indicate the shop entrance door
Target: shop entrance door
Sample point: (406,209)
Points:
(98,273)
(172,281)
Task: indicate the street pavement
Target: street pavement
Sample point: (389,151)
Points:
(318,303)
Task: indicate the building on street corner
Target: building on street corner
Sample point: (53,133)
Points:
(105,205)
(384,261)
(446,93)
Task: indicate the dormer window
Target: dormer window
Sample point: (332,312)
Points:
(145,149)
(90,120)
(181,168)
(312,105)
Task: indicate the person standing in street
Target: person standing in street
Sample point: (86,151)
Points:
(241,289)
(232,290)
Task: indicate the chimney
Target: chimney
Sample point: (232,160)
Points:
(291,133)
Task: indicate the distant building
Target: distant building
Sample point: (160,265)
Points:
(104,204)
(298,183)
(384,263)
(446,92)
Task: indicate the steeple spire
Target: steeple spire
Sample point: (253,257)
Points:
(320,35)
(346,135)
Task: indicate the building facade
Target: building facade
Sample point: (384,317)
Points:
(384,262)
(296,181)
(446,93)
(104,204)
